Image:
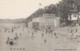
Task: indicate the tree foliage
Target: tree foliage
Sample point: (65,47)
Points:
(61,9)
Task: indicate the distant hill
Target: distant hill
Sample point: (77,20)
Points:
(21,20)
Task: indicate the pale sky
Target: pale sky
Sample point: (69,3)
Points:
(14,9)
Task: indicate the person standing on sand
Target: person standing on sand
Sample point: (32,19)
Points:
(32,36)
(72,32)
(16,37)
(45,40)
(42,35)
(55,35)
(7,40)
(77,27)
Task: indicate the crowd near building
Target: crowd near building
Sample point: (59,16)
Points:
(47,21)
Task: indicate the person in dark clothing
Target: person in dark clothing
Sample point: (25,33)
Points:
(42,34)
(55,35)
(11,43)
(8,40)
(44,40)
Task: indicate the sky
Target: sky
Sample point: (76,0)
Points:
(15,9)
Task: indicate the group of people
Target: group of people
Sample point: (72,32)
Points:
(14,31)
(12,35)
(74,31)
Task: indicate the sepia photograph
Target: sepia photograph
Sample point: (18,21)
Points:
(39,25)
